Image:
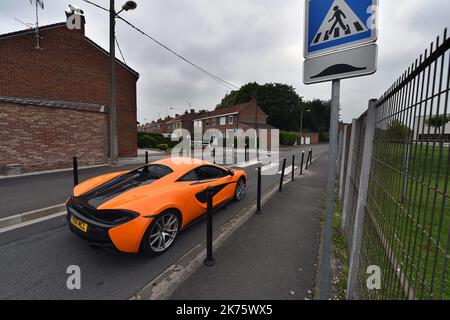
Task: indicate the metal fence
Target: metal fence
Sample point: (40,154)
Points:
(396,206)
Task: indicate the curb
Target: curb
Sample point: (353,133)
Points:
(165,284)
(31,215)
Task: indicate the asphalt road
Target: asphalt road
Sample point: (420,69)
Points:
(34,259)
(33,192)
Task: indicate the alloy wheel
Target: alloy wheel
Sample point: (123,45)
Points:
(163,232)
(240,189)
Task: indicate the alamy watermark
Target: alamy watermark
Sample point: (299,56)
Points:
(373,282)
(228,148)
(74,280)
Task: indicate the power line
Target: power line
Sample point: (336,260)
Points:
(224,83)
(120,50)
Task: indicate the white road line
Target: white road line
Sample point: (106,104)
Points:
(31,222)
(270,166)
(288,170)
(247,164)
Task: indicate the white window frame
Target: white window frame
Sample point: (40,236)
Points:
(231,119)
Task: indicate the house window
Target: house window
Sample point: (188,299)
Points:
(198,124)
(230,119)
(207,122)
(223,121)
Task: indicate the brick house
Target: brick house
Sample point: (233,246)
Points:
(54,101)
(244,116)
(153,127)
(183,121)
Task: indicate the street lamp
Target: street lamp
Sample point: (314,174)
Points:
(129,5)
(113,149)
(301,122)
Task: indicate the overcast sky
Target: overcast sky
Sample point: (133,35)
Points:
(240,41)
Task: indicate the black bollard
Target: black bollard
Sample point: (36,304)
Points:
(146,157)
(209,261)
(245,153)
(301,165)
(308,159)
(258,195)
(293,167)
(280,189)
(75,171)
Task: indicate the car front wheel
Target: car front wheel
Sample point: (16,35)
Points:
(240,190)
(161,233)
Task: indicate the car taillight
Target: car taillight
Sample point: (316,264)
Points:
(116,216)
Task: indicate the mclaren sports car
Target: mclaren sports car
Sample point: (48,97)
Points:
(144,209)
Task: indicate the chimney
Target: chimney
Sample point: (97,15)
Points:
(75,19)
(192,111)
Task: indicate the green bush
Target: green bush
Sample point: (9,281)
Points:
(324,137)
(163,146)
(288,138)
(152,140)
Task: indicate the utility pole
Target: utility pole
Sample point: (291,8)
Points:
(113,152)
(301,125)
(302,111)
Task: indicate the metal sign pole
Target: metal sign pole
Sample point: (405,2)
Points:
(327,235)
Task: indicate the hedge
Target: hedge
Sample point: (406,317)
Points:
(288,138)
(153,140)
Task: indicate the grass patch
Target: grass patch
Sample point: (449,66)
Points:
(408,198)
(340,258)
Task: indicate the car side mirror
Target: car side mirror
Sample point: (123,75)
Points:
(230,172)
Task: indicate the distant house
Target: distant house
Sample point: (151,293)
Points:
(54,101)
(183,121)
(243,116)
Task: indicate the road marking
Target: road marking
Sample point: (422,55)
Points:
(288,170)
(31,222)
(247,164)
(270,166)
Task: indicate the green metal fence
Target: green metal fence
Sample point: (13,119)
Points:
(401,221)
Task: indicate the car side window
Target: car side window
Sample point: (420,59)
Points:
(190,176)
(210,172)
(155,170)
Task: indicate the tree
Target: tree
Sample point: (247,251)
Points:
(396,131)
(283,106)
(438,122)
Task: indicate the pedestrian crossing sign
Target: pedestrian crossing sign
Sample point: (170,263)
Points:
(338,24)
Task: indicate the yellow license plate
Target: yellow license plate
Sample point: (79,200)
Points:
(83,226)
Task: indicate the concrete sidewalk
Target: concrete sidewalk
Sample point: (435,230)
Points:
(272,256)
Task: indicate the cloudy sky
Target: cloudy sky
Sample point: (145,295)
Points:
(240,41)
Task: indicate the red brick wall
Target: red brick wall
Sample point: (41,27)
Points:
(43,138)
(68,68)
(314,137)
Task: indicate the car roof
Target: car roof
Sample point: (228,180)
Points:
(178,164)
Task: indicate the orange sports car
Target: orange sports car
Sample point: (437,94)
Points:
(143,210)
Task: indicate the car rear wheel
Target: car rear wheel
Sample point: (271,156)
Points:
(161,233)
(240,189)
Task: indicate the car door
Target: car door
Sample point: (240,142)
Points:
(220,180)
(196,181)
